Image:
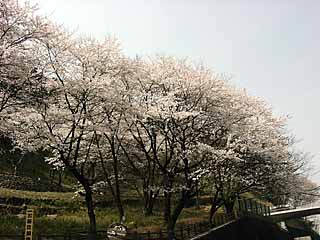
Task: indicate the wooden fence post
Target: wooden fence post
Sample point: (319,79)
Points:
(149,236)
(160,233)
(181,232)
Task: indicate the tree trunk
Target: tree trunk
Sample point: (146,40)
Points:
(51,176)
(229,204)
(213,210)
(92,217)
(60,178)
(215,205)
(149,198)
(167,207)
(197,196)
(16,164)
(117,192)
(120,207)
(170,230)
(15,170)
(148,208)
(175,214)
(88,197)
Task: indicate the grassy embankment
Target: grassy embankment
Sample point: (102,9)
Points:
(70,213)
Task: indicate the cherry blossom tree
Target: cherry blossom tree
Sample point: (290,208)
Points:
(79,83)
(255,152)
(21,78)
(292,186)
(169,122)
(191,124)
(109,152)
(21,32)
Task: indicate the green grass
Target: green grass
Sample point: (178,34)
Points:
(78,221)
(47,200)
(9,193)
(11,225)
(72,214)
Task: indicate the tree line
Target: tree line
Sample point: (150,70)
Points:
(164,126)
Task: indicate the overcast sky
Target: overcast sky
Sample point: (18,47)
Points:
(269,47)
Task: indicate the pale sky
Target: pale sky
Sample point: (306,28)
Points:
(269,47)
